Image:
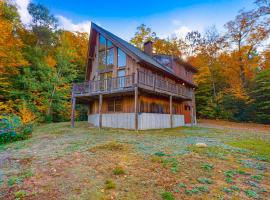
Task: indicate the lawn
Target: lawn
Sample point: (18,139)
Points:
(59,162)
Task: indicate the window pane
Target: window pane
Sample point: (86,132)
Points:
(118,105)
(110,60)
(102,42)
(121,80)
(109,44)
(122,58)
(101,60)
(121,72)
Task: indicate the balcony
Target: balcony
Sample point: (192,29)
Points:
(122,84)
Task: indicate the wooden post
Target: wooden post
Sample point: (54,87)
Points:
(171,112)
(73,111)
(100,111)
(136,107)
(194,118)
(136,101)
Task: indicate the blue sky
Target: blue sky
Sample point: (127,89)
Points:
(122,17)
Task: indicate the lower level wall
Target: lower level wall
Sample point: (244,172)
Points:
(145,120)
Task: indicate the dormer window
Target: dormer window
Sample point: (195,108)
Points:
(106,54)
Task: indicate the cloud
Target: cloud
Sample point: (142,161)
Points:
(23,12)
(182,31)
(64,22)
(67,24)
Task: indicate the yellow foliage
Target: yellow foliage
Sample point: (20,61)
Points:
(26,115)
(7,107)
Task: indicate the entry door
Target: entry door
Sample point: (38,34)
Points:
(121,78)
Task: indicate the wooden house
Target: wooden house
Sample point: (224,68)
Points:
(126,87)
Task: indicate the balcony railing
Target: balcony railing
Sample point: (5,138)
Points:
(160,84)
(103,86)
(125,83)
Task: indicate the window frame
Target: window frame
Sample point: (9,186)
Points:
(114,103)
(121,67)
(106,50)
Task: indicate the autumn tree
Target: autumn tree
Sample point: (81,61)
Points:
(245,33)
(11,55)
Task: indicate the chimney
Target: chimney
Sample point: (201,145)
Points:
(148,47)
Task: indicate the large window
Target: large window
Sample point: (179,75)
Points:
(122,58)
(106,54)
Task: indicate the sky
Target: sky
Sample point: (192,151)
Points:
(121,17)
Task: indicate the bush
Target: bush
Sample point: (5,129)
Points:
(167,196)
(12,129)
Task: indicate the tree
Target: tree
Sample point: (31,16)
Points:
(246,31)
(142,35)
(43,25)
(11,55)
(261,94)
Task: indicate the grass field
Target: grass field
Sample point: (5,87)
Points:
(59,162)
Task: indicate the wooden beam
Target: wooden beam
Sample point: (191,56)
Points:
(194,118)
(73,111)
(171,112)
(136,107)
(100,111)
(136,100)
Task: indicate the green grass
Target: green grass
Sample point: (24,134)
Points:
(109,184)
(258,147)
(205,180)
(167,196)
(118,171)
(163,164)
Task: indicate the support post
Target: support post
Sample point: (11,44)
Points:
(136,100)
(194,117)
(136,108)
(171,112)
(73,111)
(100,111)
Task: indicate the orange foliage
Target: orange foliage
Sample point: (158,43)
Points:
(10,51)
(50,61)
(26,115)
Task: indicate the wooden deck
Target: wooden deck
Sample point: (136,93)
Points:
(128,83)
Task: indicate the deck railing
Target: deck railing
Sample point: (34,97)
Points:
(160,84)
(105,85)
(117,84)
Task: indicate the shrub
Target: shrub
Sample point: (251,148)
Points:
(167,196)
(118,171)
(207,166)
(205,180)
(20,194)
(251,193)
(12,129)
(109,184)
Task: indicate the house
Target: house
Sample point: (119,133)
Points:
(133,89)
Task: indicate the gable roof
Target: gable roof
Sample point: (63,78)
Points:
(136,52)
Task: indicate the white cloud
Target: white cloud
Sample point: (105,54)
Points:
(64,22)
(182,31)
(23,12)
(67,24)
